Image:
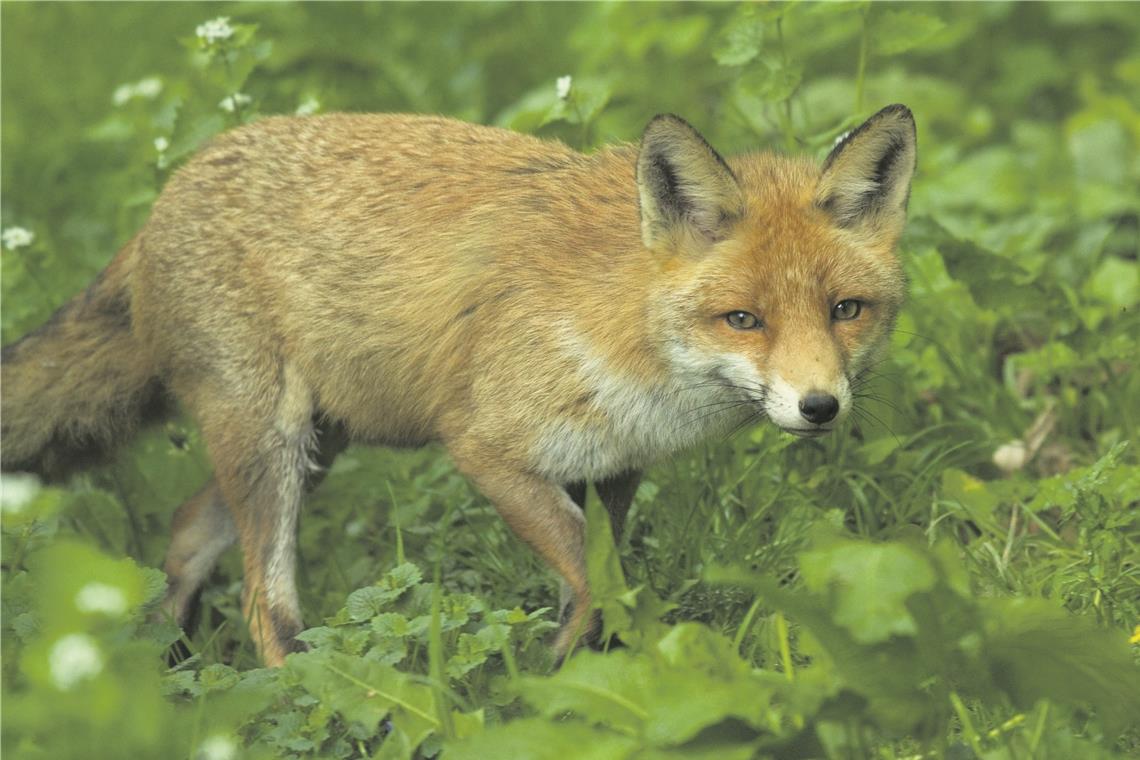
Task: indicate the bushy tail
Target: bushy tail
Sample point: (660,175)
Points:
(79,384)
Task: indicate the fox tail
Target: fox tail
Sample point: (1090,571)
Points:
(72,389)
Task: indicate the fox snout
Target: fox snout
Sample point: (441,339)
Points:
(815,409)
(819,408)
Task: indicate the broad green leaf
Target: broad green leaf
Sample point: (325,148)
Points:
(1116,282)
(366,691)
(1039,651)
(741,39)
(697,660)
(366,603)
(897,31)
(609,689)
(868,584)
(538,739)
(973,494)
(81,588)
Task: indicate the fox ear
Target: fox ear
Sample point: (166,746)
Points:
(687,191)
(865,183)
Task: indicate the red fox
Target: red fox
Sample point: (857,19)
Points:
(552,318)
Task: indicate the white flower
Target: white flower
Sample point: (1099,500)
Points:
(123,93)
(217,747)
(309,105)
(74,658)
(101,597)
(1011,457)
(841,138)
(144,88)
(17,491)
(237,100)
(562,86)
(17,237)
(149,87)
(215,29)
(161,144)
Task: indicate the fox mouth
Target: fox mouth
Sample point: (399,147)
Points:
(807,432)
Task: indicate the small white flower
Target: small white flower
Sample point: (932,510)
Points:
(562,86)
(17,237)
(161,144)
(215,30)
(74,658)
(1011,457)
(217,747)
(101,597)
(17,491)
(309,105)
(354,529)
(123,93)
(144,88)
(237,100)
(149,87)
(841,138)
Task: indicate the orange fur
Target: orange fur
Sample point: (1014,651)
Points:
(550,317)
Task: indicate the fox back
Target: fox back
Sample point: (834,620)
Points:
(551,318)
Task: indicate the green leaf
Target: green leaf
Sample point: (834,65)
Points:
(868,585)
(897,31)
(538,739)
(741,39)
(402,577)
(630,614)
(1041,652)
(190,133)
(80,587)
(366,691)
(586,100)
(1116,282)
(217,677)
(365,603)
(1097,147)
(368,602)
(971,493)
(609,689)
(699,661)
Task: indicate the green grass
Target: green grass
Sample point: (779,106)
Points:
(896,590)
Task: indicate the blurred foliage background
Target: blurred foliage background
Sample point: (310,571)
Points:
(996,450)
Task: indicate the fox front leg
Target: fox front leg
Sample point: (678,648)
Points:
(543,515)
(616,493)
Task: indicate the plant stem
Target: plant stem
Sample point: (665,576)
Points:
(785,647)
(786,120)
(861,71)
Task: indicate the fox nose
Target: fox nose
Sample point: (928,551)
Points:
(818,408)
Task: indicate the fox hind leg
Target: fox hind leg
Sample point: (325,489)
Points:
(261,442)
(203,528)
(266,491)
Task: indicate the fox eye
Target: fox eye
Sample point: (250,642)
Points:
(742,320)
(847,309)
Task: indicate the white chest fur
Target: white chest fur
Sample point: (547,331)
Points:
(634,423)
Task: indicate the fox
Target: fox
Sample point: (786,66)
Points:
(553,318)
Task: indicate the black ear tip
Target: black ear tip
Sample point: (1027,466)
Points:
(895,111)
(664,121)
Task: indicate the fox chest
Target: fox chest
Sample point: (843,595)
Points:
(625,426)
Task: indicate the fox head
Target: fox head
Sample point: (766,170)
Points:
(778,277)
